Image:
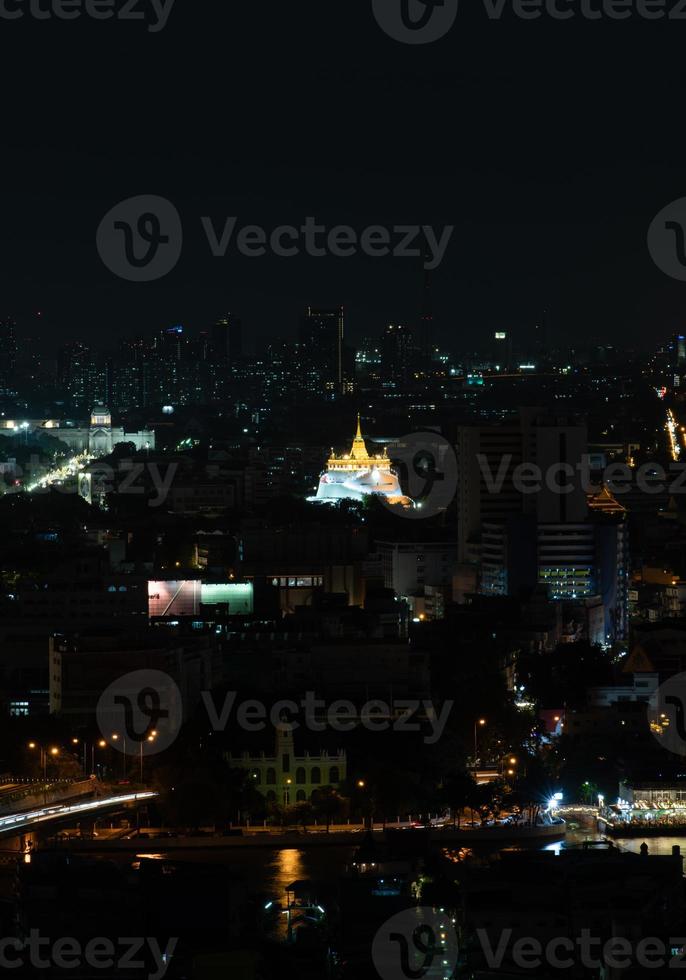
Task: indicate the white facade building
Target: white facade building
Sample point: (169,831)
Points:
(97,438)
(286,778)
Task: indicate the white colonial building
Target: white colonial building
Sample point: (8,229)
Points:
(97,438)
(286,778)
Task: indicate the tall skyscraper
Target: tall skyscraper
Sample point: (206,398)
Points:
(172,343)
(398,353)
(226,342)
(551,535)
(541,337)
(81,376)
(368,361)
(502,350)
(8,356)
(129,376)
(679,360)
(321,337)
(427,315)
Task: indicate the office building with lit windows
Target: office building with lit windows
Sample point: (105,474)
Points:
(572,543)
(8,357)
(321,339)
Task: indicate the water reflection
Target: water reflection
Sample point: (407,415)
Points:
(577,838)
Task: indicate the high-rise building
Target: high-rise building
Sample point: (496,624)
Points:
(321,337)
(540,350)
(172,342)
(81,376)
(8,357)
(555,535)
(129,376)
(488,458)
(368,361)
(226,341)
(397,353)
(679,360)
(502,350)
(427,314)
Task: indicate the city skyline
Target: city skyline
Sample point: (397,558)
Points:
(343,489)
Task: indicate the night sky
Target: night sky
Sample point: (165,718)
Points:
(549,145)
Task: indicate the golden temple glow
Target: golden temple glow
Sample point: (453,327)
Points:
(358,458)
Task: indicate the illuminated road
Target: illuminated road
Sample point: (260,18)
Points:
(68,469)
(675,434)
(32,818)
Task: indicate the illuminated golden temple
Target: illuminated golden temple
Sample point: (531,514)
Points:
(357,474)
(358,457)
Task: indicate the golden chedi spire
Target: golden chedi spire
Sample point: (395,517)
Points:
(359,449)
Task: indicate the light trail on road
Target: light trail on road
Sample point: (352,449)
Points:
(673,432)
(18,821)
(72,467)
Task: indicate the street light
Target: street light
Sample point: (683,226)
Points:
(77,741)
(115,738)
(102,744)
(44,763)
(480,722)
(151,738)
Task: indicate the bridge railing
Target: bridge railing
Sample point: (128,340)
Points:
(11,801)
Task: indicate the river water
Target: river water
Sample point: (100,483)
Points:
(269,871)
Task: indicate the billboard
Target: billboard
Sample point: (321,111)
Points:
(187,597)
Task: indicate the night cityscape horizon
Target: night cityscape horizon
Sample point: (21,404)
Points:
(342,490)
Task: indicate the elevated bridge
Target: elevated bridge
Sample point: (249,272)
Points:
(52,814)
